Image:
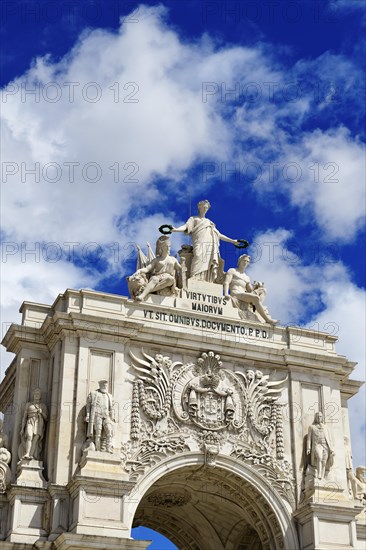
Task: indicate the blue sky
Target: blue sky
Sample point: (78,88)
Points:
(140,110)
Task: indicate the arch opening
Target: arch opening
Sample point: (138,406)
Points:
(203,508)
(159,541)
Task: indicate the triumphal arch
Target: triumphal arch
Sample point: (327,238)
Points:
(185,407)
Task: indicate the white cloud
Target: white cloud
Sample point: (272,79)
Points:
(285,278)
(347,5)
(161,134)
(172,125)
(332,181)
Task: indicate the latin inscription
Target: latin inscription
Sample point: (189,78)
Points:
(206,303)
(207,308)
(206,324)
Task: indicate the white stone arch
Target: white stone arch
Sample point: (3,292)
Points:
(263,507)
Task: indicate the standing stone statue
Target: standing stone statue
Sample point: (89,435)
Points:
(242,293)
(359,484)
(5,457)
(356,482)
(4,440)
(100,418)
(33,428)
(319,447)
(206,260)
(349,465)
(158,277)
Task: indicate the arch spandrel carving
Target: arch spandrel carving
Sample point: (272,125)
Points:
(203,422)
(203,406)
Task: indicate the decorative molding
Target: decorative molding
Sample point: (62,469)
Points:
(137,458)
(278,473)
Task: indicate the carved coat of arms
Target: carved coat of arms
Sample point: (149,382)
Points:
(203,395)
(178,407)
(207,395)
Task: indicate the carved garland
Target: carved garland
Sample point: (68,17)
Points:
(135,413)
(154,414)
(280,448)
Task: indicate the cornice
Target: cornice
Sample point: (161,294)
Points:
(286,348)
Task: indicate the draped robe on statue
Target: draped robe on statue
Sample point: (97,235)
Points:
(205,242)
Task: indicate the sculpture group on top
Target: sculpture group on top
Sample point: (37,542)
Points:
(164,275)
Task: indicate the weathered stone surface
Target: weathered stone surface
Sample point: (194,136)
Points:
(210,418)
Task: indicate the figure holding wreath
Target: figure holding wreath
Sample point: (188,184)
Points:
(206,261)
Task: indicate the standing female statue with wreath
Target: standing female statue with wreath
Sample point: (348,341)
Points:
(206,262)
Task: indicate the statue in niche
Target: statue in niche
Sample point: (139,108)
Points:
(33,428)
(100,418)
(356,482)
(319,447)
(4,440)
(359,484)
(206,265)
(349,466)
(5,457)
(158,276)
(243,294)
